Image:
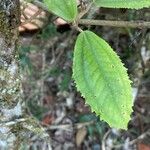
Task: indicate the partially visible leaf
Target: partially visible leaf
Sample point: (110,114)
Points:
(66,9)
(102,79)
(133,4)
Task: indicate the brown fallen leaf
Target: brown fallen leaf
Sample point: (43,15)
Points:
(32,17)
(48,119)
(142,146)
(80,136)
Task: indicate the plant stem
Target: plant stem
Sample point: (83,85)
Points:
(130,24)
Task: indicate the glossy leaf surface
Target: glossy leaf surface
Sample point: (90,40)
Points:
(133,4)
(102,79)
(66,9)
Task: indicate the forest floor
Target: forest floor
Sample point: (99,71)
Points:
(51,96)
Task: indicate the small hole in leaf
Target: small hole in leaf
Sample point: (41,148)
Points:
(112,66)
(122,106)
(123,114)
(118,80)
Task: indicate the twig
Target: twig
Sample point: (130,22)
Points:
(82,13)
(10,123)
(69,126)
(131,24)
(142,136)
(104,139)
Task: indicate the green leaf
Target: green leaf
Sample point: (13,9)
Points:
(102,79)
(66,9)
(133,4)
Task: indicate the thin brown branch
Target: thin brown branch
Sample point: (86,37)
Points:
(130,24)
(82,13)
(69,126)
